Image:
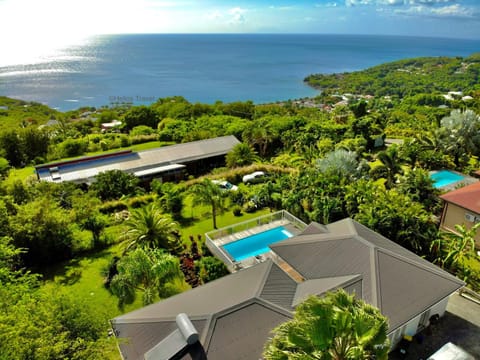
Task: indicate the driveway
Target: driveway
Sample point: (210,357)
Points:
(460,325)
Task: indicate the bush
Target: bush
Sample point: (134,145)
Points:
(139,201)
(73,147)
(250,207)
(114,184)
(140,139)
(141,130)
(237,210)
(210,268)
(112,207)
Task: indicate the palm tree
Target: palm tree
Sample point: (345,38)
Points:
(241,155)
(208,193)
(147,271)
(335,327)
(390,167)
(148,227)
(453,248)
(342,163)
(460,134)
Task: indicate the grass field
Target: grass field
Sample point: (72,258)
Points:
(83,276)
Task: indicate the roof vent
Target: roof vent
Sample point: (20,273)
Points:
(187,329)
(176,343)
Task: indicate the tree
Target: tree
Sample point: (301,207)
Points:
(148,271)
(43,321)
(114,184)
(342,163)
(4,167)
(171,198)
(335,327)
(44,230)
(399,218)
(208,193)
(460,135)
(241,155)
(453,248)
(11,146)
(149,228)
(418,184)
(141,115)
(390,167)
(95,223)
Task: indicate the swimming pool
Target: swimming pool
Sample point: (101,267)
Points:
(256,244)
(445,177)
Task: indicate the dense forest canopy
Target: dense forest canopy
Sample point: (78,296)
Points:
(66,246)
(430,75)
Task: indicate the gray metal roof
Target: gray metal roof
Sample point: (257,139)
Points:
(390,273)
(144,161)
(235,314)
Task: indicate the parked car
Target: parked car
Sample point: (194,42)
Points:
(225,185)
(255,177)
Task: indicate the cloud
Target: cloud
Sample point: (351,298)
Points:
(428,2)
(282,8)
(328,4)
(351,3)
(237,15)
(450,11)
(391,2)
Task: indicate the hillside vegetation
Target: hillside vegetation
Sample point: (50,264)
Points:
(73,256)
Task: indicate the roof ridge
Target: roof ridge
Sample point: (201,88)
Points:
(189,143)
(264,277)
(306,239)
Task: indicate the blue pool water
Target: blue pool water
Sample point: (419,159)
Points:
(256,244)
(445,177)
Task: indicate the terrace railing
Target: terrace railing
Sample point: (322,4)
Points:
(213,242)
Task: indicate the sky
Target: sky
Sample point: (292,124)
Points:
(39,23)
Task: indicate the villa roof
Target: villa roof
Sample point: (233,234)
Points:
(146,162)
(234,315)
(390,273)
(467,197)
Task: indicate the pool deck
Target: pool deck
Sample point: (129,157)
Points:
(245,263)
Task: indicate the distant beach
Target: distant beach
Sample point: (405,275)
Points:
(205,68)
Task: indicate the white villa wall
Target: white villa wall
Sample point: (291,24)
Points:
(415,325)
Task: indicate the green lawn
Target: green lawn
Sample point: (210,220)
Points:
(204,222)
(83,276)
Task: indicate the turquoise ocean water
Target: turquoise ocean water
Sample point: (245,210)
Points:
(205,68)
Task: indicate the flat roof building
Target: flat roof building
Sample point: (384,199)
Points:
(147,164)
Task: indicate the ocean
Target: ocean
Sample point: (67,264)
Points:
(204,68)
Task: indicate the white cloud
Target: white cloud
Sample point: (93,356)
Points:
(237,15)
(391,2)
(329,4)
(428,2)
(350,3)
(454,10)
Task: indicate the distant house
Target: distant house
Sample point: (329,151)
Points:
(167,162)
(111,125)
(461,206)
(233,316)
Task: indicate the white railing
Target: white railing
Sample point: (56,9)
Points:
(215,247)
